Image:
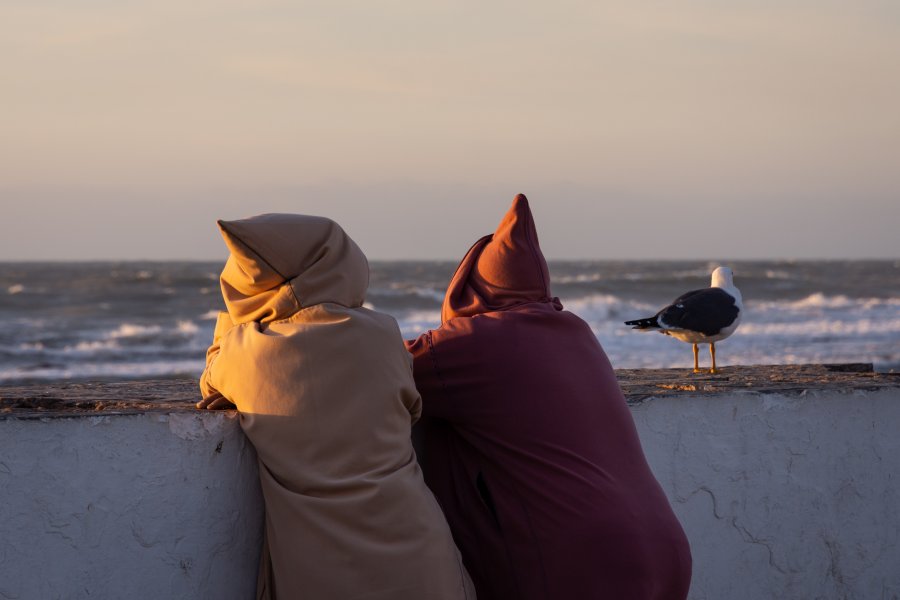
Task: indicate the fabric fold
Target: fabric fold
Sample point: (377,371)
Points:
(326,395)
(529,445)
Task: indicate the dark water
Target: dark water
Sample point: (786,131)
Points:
(137,320)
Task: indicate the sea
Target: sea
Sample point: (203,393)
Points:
(108,321)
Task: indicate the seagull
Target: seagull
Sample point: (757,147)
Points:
(702,316)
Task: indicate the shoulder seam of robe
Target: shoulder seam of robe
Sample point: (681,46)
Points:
(434,362)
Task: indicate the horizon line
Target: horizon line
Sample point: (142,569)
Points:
(455,259)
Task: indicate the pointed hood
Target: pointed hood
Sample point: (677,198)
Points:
(281,263)
(502,270)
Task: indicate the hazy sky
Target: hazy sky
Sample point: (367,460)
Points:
(694,129)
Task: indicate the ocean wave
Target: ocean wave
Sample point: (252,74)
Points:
(416,290)
(187,327)
(773,274)
(130,330)
(603,307)
(144,340)
(580,278)
(78,318)
(399,297)
(92,346)
(823,327)
(818,301)
(31,346)
(120,370)
(414,323)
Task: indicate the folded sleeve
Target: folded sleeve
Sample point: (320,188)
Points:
(412,399)
(223,326)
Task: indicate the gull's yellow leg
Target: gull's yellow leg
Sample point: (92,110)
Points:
(696,359)
(712,353)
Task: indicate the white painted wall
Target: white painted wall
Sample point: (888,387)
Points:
(782,497)
(128,507)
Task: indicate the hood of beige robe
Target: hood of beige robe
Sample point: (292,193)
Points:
(282,263)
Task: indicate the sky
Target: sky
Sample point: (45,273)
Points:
(638,130)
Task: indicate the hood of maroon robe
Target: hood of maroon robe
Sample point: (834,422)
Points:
(501,271)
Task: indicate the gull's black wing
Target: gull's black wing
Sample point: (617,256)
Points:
(708,311)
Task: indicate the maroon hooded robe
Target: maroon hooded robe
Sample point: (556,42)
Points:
(530,447)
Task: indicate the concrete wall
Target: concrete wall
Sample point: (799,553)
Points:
(781,496)
(151,506)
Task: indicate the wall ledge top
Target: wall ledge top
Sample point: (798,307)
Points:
(79,399)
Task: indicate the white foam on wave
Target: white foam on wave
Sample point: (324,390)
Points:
(187,327)
(580,278)
(607,307)
(820,300)
(415,322)
(814,304)
(129,370)
(139,339)
(823,327)
(398,290)
(880,302)
(92,346)
(128,330)
(210,315)
(780,275)
(16,288)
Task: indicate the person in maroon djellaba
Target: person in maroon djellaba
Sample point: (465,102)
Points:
(530,447)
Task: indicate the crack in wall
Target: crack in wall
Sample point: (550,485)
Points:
(712,496)
(834,567)
(765,543)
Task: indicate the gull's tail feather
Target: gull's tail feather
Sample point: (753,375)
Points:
(648,323)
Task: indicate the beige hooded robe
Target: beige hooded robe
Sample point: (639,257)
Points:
(326,395)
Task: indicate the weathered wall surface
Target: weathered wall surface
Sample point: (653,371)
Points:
(784,494)
(155,506)
(783,497)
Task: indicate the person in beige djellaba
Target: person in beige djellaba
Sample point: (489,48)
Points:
(325,392)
